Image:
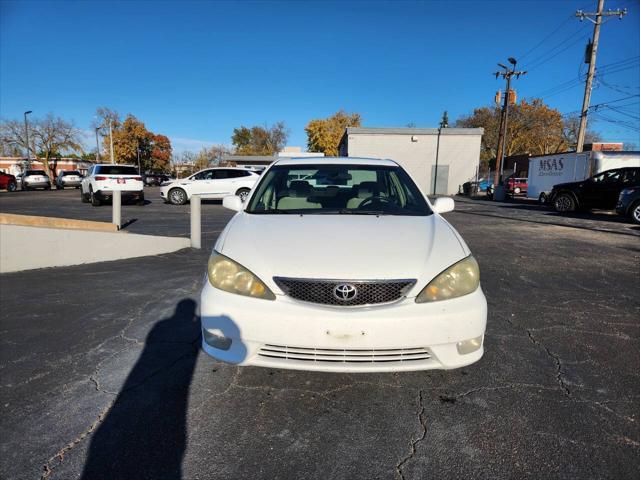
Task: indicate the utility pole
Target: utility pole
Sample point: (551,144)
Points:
(444,123)
(97,146)
(26,134)
(502,136)
(111,140)
(592,62)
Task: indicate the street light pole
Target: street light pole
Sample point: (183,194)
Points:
(443,124)
(97,146)
(26,134)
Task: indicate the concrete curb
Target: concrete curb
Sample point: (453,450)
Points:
(53,222)
(28,247)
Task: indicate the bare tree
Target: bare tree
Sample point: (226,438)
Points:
(49,137)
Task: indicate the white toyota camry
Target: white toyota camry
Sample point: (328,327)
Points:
(342,264)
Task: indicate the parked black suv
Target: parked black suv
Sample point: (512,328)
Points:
(600,191)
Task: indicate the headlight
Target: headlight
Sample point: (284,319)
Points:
(232,277)
(628,191)
(459,279)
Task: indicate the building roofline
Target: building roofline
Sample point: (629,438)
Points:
(412,131)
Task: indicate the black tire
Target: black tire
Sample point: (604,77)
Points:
(177,196)
(634,213)
(83,197)
(564,202)
(140,201)
(58,187)
(48,187)
(95,201)
(12,187)
(542,199)
(243,193)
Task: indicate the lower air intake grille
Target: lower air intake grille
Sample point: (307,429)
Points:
(345,356)
(357,292)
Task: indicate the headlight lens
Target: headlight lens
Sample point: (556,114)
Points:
(232,277)
(459,279)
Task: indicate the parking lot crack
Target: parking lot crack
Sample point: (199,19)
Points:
(556,359)
(414,442)
(56,459)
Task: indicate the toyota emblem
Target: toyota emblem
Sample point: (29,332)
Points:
(345,292)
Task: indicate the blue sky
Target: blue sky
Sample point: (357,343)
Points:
(195,70)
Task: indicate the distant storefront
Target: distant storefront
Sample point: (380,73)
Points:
(15,165)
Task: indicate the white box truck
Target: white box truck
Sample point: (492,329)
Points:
(545,171)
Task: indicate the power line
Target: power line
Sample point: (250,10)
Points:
(568,19)
(562,46)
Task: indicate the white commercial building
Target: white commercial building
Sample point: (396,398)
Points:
(457,151)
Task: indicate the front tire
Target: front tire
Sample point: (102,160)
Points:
(12,187)
(177,196)
(243,193)
(83,197)
(634,213)
(564,203)
(95,201)
(542,199)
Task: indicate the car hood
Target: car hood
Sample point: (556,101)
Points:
(344,247)
(569,185)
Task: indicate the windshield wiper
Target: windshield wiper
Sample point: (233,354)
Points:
(347,211)
(271,210)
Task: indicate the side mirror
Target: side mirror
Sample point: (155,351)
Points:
(232,202)
(443,205)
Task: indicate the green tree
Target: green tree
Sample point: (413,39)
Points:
(323,135)
(260,140)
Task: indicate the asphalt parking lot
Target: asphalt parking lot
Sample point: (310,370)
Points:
(101,375)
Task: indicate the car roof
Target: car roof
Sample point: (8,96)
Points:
(114,165)
(336,161)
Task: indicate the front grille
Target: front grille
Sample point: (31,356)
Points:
(368,292)
(345,356)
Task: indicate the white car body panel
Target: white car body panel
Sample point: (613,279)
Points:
(124,183)
(349,248)
(211,188)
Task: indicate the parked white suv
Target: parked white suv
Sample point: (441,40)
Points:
(102,179)
(211,183)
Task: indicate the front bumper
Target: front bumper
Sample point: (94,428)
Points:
(286,333)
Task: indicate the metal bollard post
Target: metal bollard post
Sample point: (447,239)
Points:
(196,233)
(117,208)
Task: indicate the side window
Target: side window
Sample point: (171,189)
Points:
(237,173)
(632,176)
(205,175)
(220,174)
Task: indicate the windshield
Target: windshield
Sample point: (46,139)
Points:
(338,189)
(70,172)
(35,172)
